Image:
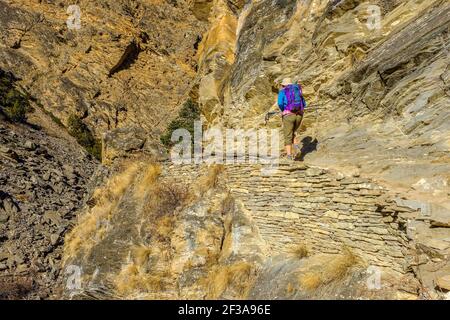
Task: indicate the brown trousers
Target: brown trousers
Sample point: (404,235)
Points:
(291,123)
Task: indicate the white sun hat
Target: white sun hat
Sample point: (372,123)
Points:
(286,82)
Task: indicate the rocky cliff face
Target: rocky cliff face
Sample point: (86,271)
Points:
(129,64)
(382,88)
(375,74)
(369,214)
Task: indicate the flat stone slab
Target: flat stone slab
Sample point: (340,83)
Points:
(444,282)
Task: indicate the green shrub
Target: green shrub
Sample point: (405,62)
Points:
(13,104)
(188,114)
(79,130)
(54,118)
(15,112)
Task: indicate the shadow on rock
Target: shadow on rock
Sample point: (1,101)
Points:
(308,145)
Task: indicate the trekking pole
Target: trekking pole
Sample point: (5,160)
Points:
(270,115)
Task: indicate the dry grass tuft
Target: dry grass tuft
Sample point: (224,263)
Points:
(132,279)
(290,289)
(300,251)
(165,197)
(141,254)
(93,224)
(341,264)
(311,280)
(160,229)
(149,178)
(15,287)
(160,197)
(165,225)
(336,269)
(211,179)
(116,187)
(239,277)
(135,278)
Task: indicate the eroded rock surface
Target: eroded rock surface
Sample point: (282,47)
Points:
(242,236)
(377,88)
(131,63)
(371,196)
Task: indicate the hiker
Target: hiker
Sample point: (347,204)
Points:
(291,104)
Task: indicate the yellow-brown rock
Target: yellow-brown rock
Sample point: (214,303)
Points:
(215,56)
(129,64)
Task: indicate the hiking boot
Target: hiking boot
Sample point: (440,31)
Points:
(286,159)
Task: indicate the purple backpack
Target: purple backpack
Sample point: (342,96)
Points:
(294,97)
